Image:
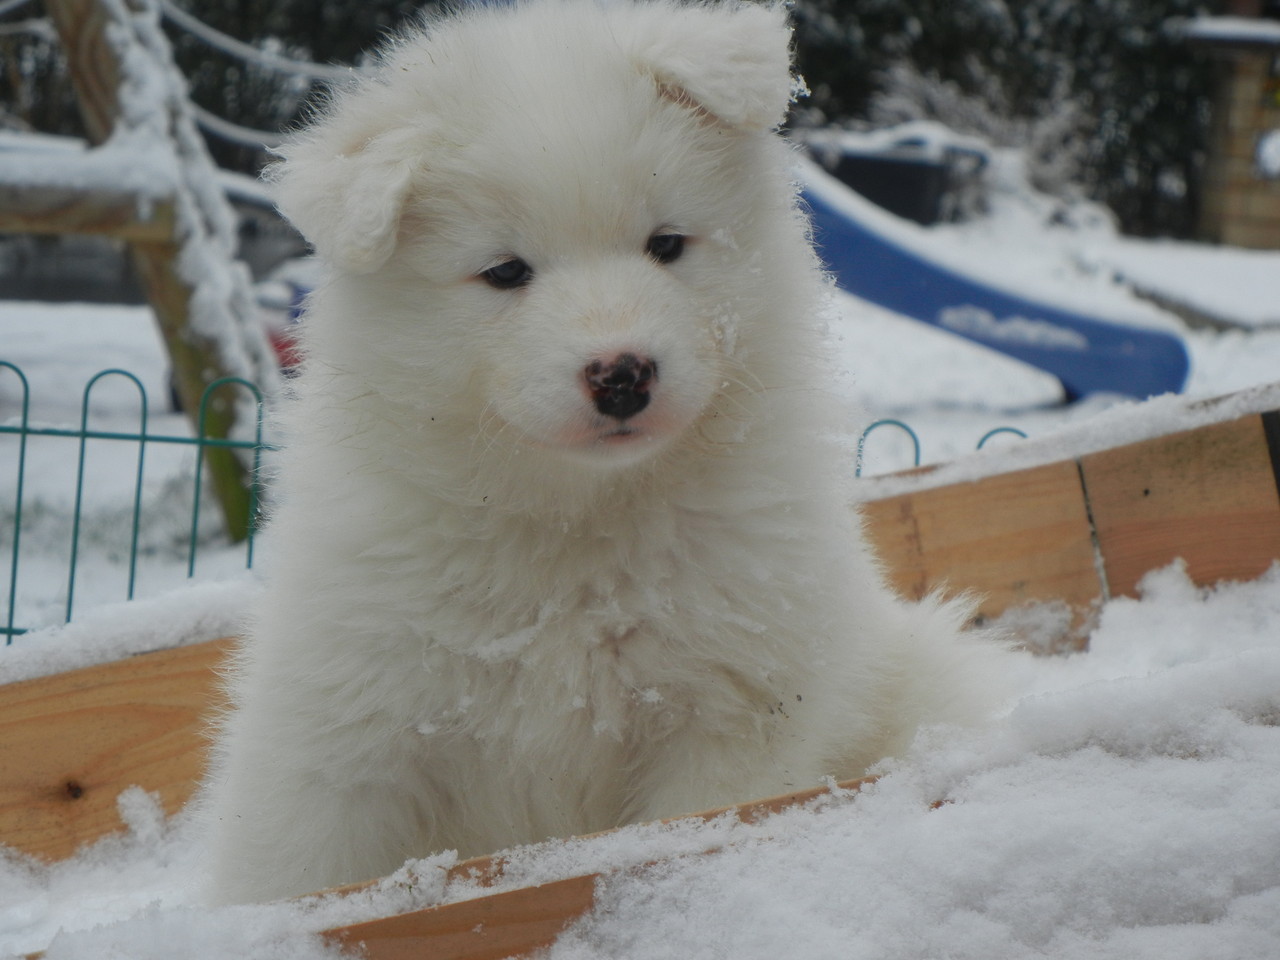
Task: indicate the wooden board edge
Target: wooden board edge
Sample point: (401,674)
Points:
(514,923)
(1094,582)
(72,743)
(1210,497)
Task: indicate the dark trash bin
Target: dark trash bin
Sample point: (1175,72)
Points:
(912,177)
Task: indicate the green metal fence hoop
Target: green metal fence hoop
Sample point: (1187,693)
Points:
(9,630)
(144,440)
(862,441)
(997,431)
(137,490)
(204,441)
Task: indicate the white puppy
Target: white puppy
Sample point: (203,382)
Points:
(564,537)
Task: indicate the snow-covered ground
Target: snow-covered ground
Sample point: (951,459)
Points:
(1127,806)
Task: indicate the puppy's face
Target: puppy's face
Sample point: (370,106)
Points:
(572,228)
(601,349)
(593,268)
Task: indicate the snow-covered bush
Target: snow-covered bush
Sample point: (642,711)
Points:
(1114,69)
(1053,143)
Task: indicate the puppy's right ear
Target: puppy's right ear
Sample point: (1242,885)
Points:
(346,201)
(730,60)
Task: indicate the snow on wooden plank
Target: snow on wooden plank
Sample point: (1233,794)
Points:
(516,922)
(1080,531)
(134,105)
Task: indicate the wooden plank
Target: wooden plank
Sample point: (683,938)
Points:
(97,38)
(1013,538)
(94,63)
(1208,496)
(25,208)
(70,743)
(488,928)
(515,922)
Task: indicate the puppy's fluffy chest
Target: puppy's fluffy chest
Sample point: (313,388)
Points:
(625,593)
(631,616)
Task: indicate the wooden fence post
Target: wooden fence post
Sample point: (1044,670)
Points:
(97,35)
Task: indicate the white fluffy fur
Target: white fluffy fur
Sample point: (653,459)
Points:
(489,621)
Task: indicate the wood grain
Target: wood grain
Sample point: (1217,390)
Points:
(92,61)
(487,928)
(1013,538)
(41,208)
(1207,495)
(72,742)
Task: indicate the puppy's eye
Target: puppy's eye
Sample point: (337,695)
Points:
(508,275)
(665,247)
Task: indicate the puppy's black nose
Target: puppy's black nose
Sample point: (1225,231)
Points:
(620,387)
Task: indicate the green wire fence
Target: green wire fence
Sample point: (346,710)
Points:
(24,430)
(253,449)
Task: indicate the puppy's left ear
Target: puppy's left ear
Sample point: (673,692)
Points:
(732,61)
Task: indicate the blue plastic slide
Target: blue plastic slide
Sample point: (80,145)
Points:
(1087,354)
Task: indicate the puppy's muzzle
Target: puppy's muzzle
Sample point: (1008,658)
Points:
(620,388)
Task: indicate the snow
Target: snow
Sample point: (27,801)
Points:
(262,57)
(983,323)
(1268,154)
(1229,287)
(921,139)
(1131,817)
(33,159)
(1231,30)
(156,120)
(1029,245)
(31,162)
(186,614)
(1126,804)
